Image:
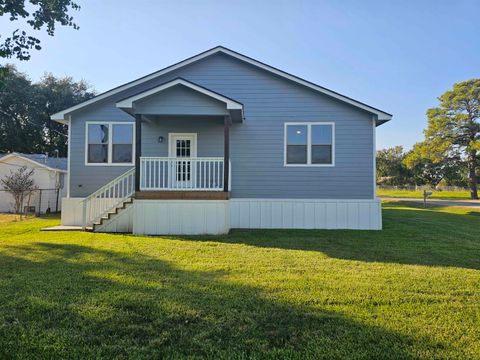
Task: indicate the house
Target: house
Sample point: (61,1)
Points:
(221,141)
(50,176)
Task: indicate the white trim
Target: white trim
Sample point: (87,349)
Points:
(69,129)
(110,144)
(374,159)
(60,116)
(309,144)
(8,156)
(193,152)
(128,103)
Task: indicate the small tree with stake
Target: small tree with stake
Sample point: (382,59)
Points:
(19,184)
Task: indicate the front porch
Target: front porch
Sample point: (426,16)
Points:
(182,141)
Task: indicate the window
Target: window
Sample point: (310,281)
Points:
(309,144)
(109,143)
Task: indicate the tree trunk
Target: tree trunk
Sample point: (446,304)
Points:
(472,174)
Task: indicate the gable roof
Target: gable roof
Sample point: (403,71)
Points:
(234,107)
(382,116)
(50,163)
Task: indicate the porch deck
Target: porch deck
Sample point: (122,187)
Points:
(182,195)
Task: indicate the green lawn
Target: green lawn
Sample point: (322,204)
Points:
(446,195)
(409,291)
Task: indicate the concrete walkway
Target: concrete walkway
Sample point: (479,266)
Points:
(439,202)
(62,228)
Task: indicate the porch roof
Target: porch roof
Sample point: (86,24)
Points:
(187,98)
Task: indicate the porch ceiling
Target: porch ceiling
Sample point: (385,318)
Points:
(181,97)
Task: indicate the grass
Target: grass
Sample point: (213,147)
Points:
(409,291)
(6,218)
(418,194)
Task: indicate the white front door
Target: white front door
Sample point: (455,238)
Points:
(182,147)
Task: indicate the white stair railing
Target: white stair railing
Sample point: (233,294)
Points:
(108,197)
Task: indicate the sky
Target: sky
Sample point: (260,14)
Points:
(398,56)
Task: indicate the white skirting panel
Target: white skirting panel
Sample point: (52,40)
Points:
(190,217)
(181,217)
(305,214)
(119,223)
(72,211)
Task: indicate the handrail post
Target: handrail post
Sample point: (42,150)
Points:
(138,149)
(226,152)
(229,175)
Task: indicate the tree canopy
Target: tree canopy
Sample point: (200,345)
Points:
(453,132)
(37,14)
(390,167)
(398,167)
(25,110)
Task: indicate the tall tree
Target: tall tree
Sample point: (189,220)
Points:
(453,129)
(55,94)
(19,130)
(25,110)
(37,14)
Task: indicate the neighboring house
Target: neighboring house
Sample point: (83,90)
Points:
(50,176)
(221,141)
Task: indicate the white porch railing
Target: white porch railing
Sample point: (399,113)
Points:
(107,197)
(177,174)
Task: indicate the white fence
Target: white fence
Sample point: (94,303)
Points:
(422,187)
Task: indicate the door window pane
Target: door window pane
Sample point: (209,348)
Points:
(183,148)
(297,144)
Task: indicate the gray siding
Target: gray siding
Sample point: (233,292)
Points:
(257,144)
(209,135)
(86,179)
(180,100)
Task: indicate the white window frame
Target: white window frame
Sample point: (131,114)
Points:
(110,142)
(309,144)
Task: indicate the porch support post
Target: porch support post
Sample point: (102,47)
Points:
(138,149)
(226,152)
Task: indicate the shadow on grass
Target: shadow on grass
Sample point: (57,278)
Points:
(411,235)
(79,302)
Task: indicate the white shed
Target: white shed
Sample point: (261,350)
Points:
(50,176)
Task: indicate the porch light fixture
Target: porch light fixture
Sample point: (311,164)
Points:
(160,139)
